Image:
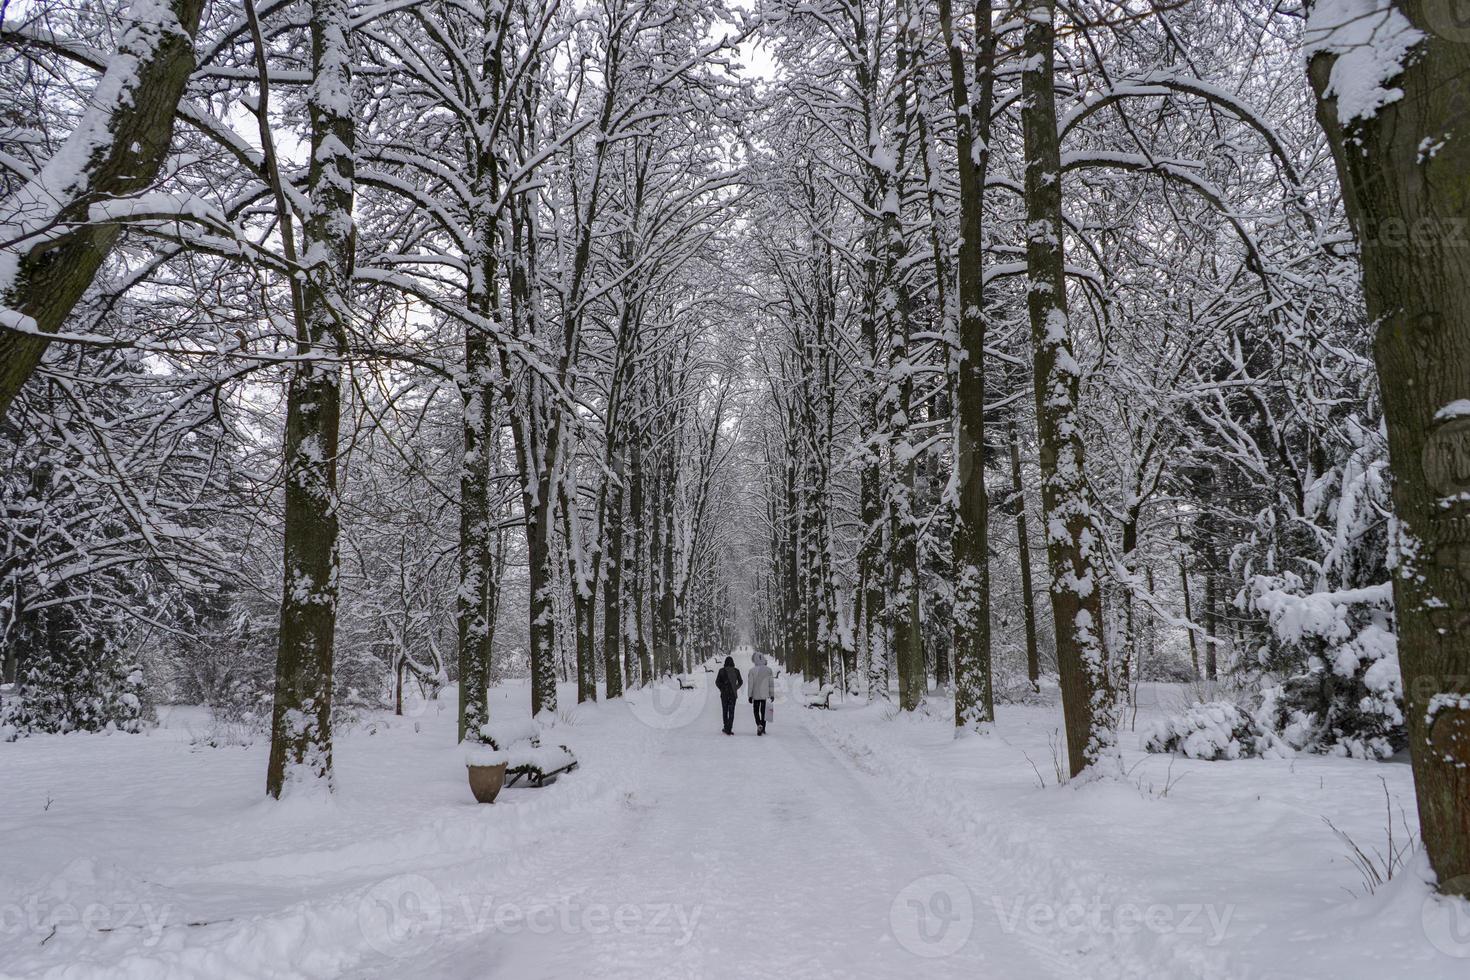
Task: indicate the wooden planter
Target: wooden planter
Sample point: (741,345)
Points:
(486,781)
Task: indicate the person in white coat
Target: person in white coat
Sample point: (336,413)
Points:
(762,689)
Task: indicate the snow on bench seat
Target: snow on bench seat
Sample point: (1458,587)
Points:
(538,763)
(505,734)
(823,698)
(540,758)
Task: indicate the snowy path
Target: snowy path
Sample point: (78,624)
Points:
(674,851)
(743,856)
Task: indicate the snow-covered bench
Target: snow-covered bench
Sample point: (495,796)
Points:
(539,763)
(823,698)
(686,682)
(520,741)
(501,735)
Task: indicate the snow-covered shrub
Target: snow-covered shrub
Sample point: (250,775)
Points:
(1348,700)
(76,687)
(1011,688)
(1165,668)
(1213,731)
(223,732)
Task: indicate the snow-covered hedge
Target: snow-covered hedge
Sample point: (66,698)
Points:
(1214,731)
(1349,698)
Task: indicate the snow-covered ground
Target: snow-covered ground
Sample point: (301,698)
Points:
(847,843)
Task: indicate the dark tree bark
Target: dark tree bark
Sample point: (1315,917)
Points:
(1188,603)
(1023,546)
(1076,585)
(612,590)
(583,607)
(301,720)
(974,700)
(637,512)
(895,302)
(1410,210)
(667,483)
(478,533)
(46,220)
(542,578)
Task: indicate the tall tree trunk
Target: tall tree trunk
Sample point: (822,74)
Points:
(872,569)
(811,564)
(1072,532)
(117,149)
(873,556)
(667,626)
(301,729)
(476,541)
(1128,648)
(1420,298)
(542,577)
(908,640)
(640,565)
(583,592)
(655,577)
(478,532)
(795,625)
(1212,620)
(974,697)
(895,302)
(1188,605)
(612,590)
(1023,546)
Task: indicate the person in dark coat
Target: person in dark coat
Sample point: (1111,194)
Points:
(728,680)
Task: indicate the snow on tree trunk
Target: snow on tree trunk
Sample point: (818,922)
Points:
(539,532)
(1390,99)
(1023,547)
(974,700)
(1072,533)
(301,732)
(478,535)
(117,149)
(613,589)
